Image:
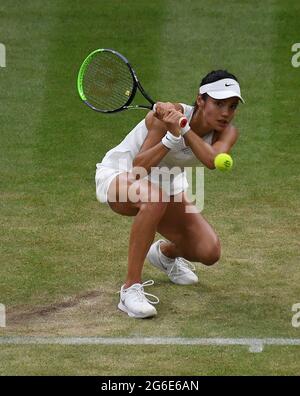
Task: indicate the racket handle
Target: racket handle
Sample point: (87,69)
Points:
(182,121)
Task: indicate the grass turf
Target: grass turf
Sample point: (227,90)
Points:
(147,361)
(57,242)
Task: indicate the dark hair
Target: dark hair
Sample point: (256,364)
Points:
(216,75)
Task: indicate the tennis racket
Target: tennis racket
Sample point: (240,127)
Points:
(108,84)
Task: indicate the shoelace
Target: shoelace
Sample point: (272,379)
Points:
(182,263)
(139,288)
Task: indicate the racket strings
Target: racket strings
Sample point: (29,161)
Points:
(107,82)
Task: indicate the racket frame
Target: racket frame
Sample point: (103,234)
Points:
(136,84)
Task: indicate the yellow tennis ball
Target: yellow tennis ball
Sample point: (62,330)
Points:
(223,162)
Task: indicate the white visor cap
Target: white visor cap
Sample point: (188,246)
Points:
(222,89)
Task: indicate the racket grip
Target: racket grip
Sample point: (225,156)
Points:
(182,122)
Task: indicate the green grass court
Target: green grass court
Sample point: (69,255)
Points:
(63,255)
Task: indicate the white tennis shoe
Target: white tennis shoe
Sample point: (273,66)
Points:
(179,270)
(135,301)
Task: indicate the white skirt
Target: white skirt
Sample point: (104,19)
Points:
(171,185)
(104,176)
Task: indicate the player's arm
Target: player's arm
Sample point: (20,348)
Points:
(205,152)
(167,117)
(152,150)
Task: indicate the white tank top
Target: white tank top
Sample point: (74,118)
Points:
(122,156)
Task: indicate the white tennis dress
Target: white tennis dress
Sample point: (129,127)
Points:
(169,174)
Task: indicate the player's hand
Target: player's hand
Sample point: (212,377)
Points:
(162,109)
(171,119)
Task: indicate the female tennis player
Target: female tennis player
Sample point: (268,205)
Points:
(127,179)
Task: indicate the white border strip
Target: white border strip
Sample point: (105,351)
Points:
(254,344)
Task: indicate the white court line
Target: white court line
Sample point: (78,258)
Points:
(254,344)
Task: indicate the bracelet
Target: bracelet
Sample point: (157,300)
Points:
(171,142)
(185,129)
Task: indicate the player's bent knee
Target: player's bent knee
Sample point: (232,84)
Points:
(212,253)
(205,252)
